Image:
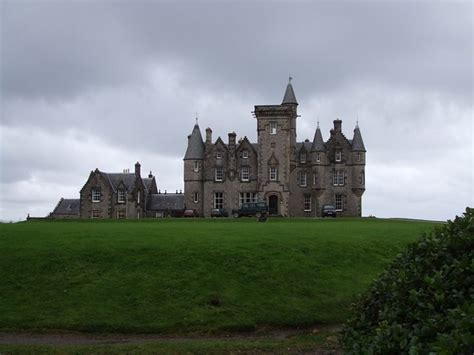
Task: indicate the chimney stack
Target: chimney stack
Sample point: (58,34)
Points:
(208,135)
(137,169)
(150,175)
(337,125)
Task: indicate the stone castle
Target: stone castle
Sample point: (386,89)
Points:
(294,178)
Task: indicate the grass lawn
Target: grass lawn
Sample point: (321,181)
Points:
(185,276)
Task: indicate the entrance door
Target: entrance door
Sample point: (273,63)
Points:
(273,204)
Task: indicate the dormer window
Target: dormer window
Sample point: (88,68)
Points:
(95,194)
(303,158)
(273,127)
(245,154)
(121,196)
(338,156)
(219,154)
(196,166)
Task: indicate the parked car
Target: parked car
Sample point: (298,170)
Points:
(256,209)
(219,212)
(190,213)
(329,211)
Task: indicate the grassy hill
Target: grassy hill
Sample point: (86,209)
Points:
(181,276)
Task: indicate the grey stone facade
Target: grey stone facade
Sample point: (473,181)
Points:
(294,178)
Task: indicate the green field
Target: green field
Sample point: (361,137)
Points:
(190,276)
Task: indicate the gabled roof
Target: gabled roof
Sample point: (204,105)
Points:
(289,97)
(67,207)
(245,141)
(318,142)
(115,179)
(300,145)
(195,148)
(148,182)
(357,142)
(158,202)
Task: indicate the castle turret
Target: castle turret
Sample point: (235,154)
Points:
(358,165)
(318,159)
(289,100)
(193,170)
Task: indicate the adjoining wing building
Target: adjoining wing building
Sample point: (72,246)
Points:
(293,178)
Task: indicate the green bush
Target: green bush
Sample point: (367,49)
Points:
(423,302)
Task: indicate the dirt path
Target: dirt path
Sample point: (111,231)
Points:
(77,338)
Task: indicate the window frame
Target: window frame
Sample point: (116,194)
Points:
(340,203)
(245,154)
(218,200)
(358,157)
(121,196)
(303,158)
(247,197)
(273,127)
(196,166)
(273,173)
(338,178)
(95,194)
(303,177)
(219,154)
(245,171)
(338,156)
(318,158)
(307,203)
(196,197)
(219,174)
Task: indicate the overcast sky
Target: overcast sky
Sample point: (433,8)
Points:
(103,84)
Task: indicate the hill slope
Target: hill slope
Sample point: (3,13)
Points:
(190,275)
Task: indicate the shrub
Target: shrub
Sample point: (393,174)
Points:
(423,302)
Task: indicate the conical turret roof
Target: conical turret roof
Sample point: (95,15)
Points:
(289,97)
(318,143)
(195,145)
(357,142)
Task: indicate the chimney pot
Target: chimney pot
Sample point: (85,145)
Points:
(137,169)
(208,135)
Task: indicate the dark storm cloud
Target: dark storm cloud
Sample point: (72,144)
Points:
(60,49)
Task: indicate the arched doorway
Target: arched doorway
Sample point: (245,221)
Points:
(273,204)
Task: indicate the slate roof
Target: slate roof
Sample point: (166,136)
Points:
(148,182)
(127,178)
(195,148)
(318,142)
(157,202)
(357,142)
(289,97)
(300,145)
(67,207)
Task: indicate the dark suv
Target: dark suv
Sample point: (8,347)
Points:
(256,209)
(329,211)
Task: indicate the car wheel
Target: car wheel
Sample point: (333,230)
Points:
(258,214)
(236,215)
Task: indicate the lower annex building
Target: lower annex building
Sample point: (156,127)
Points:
(294,178)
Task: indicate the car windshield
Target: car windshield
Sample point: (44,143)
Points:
(329,207)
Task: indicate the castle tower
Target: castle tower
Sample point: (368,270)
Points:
(358,166)
(193,171)
(276,130)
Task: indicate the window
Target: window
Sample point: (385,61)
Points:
(138,196)
(315,178)
(245,154)
(273,173)
(362,178)
(95,194)
(273,127)
(196,197)
(196,166)
(121,196)
(318,158)
(359,157)
(218,200)
(219,154)
(338,178)
(303,158)
(245,197)
(303,179)
(219,174)
(245,173)
(307,203)
(95,214)
(120,214)
(338,155)
(339,202)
